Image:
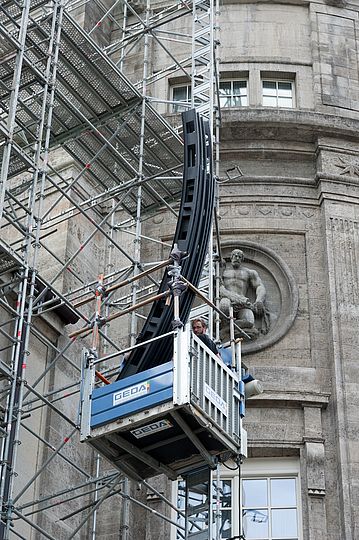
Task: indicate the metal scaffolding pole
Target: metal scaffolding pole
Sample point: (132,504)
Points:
(23,328)
(137,241)
(11,118)
(63,99)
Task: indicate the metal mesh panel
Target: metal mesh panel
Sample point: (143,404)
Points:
(6,47)
(98,170)
(17,165)
(10,9)
(97,64)
(90,90)
(218,403)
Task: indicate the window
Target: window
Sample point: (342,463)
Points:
(270,502)
(270,492)
(233,93)
(277,93)
(183,94)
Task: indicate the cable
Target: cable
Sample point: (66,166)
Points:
(231,468)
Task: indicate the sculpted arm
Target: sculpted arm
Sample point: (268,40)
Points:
(260,291)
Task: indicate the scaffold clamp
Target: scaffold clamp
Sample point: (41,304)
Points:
(101,290)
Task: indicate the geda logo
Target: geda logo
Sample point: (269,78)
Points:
(131,392)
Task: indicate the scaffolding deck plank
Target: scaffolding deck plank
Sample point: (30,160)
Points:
(96,116)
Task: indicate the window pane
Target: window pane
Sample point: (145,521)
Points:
(269,84)
(178,108)
(239,88)
(226,530)
(269,88)
(285,86)
(255,523)
(285,93)
(225,101)
(284,523)
(285,102)
(255,493)
(269,101)
(180,93)
(283,492)
(225,88)
(239,101)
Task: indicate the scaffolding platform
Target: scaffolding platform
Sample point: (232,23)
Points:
(168,419)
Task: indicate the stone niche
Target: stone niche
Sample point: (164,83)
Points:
(281,301)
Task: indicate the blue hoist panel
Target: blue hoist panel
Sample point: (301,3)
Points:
(142,391)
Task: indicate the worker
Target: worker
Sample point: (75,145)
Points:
(199,328)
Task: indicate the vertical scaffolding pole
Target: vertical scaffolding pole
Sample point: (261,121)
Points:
(217,109)
(203,93)
(10,123)
(27,289)
(137,254)
(124,25)
(8,441)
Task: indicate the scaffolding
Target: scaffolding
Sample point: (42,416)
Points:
(88,158)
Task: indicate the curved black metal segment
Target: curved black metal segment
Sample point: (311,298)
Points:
(191,236)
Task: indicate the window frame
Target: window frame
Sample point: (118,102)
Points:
(232,95)
(176,109)
(275,468)
(276,81)
(254,468)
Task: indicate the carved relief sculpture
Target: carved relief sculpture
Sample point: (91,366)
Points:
(242,289)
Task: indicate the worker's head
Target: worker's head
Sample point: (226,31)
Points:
(199,326)
(237,257)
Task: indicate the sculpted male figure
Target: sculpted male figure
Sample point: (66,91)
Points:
(235,285)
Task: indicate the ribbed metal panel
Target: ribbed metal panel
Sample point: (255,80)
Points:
(208,369)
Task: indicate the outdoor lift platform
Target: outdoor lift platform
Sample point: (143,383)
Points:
(169,419)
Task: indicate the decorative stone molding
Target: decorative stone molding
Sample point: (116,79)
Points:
(345,245)
(302,124)
(314,450)
(282,293)
(259,211)
(315,468)
(348,166)
(316,492)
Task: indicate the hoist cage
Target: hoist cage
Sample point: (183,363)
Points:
(168,419)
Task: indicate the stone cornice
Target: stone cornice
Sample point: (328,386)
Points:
(309,123)
(337,179)
(292,398)
(271,180)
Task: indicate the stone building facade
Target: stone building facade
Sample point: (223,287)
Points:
(288,193)
(289,162)
(297,196)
